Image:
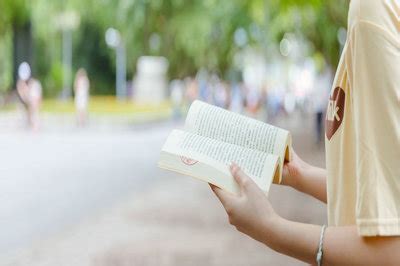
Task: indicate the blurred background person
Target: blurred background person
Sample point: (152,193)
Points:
(236,103)
(253,101)
(204,86)
(220,94)
(319,101)
(24,73)
(176,95)
(192,90)
(35,101)
(81,87)
(30,93)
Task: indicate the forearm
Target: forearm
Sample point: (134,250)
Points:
(313,183)
(341,246)
(252,214)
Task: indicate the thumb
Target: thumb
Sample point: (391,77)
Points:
(243,180)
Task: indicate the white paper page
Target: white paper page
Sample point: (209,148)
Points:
(258,165)
(216,123)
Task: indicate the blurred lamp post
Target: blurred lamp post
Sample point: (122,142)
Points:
(113,40)
(67,21)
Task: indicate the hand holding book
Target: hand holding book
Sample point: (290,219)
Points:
(250,210)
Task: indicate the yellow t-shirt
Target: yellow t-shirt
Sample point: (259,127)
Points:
(363,123)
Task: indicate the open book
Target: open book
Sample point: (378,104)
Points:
(213,138)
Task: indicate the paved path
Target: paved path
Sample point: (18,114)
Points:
(50,180)
(101,201)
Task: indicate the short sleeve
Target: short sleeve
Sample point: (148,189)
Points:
(373,63)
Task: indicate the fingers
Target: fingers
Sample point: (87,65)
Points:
(223,196)
(241,178)
(285,175)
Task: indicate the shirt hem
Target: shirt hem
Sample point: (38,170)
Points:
(378,227)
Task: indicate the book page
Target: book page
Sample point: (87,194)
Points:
(216,123)
(209,159)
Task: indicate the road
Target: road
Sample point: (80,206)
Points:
(49,180)
(95,197)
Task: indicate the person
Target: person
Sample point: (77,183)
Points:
(319,101)
(361,184)
(81,86)
(176,96)
(35,101)
(29,91)
(23,93)
(253,100)
(236,104)
(191,92)
(24,74)
(220,94)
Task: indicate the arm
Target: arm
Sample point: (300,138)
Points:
(252,214)
(342,245)
(305,178)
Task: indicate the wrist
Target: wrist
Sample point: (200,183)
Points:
(271,224)
(272,235)
(298,174)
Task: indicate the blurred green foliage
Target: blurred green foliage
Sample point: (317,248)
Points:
(190,33)
(5,61)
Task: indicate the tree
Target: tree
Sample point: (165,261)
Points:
(318,20)
(190,33)
(16,15)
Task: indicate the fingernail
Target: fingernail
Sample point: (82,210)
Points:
(234,167)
